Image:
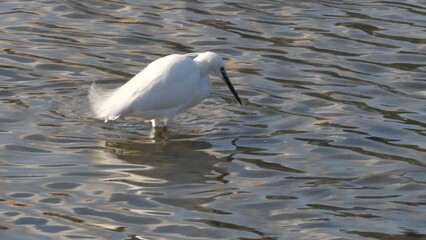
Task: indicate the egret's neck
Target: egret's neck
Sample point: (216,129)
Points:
(203,64)
(204,83)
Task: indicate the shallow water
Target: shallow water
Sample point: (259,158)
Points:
(330,142)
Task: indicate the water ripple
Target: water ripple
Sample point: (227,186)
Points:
(329,142)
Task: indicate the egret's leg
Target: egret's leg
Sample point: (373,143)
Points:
(158,124)
(166,122)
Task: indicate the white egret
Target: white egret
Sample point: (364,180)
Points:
(166,87)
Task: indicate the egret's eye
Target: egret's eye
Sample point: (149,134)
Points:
(222,69)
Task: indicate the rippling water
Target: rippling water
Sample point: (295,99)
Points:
(330,142)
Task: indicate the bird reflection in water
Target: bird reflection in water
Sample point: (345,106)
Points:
(173,162)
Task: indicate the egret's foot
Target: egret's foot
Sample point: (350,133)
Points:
(159,133)
(160,128)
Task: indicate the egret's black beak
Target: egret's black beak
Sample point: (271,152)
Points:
(228,82)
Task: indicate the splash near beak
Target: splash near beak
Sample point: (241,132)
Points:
(228,82)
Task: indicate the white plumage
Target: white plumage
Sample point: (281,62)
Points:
(167,86)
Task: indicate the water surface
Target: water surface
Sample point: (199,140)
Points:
(330,142)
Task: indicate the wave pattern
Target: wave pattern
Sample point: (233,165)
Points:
(329,144)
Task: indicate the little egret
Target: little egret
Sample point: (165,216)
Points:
(166,87)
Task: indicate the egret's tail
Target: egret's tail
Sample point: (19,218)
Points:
(101,104)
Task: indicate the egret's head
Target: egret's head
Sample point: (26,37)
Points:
(216,66)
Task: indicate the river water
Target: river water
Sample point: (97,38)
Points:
(329,143)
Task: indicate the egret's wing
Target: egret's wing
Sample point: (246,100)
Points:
(165,83)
